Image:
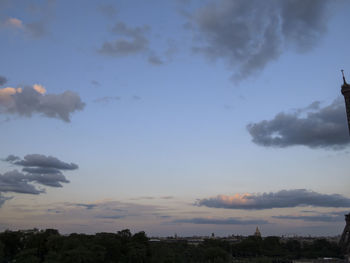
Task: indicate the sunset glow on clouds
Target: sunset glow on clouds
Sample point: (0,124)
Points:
(14,22)
(39,88)
(280,199)
(33,99)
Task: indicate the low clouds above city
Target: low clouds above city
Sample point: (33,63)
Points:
(280,199)
(226,221)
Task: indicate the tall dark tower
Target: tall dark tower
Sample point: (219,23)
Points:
(345,90)
(345,237)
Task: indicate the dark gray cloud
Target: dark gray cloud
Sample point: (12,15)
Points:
(313,218)
(108,10)
(30,100)
(130,41)
(37,169)
(111,216)
(123,47)
(3,80)
(136,97)
(53,180)
(318,217)
(41,161)
(280,199)
(313,127)
(107,99)
(111,210)
(249,34)
(54,211)
(36,29)
(11,158)
(152,197)
(17,182)
(155,60)
(95,83)
(87,206)
(122,29)
(163,216)
(226,221)
(168,197)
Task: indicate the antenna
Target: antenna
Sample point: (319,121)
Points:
(342,72)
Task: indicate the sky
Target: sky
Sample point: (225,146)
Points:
(182,116)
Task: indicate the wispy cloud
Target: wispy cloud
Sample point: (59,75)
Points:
(152,198)
(109,11)
(87,206)
(249,34)
(95,83)
(130,41)
(280,199)
(221,221)
(155,60)
(317,217)
(111,216)
(107,99)
(110,209)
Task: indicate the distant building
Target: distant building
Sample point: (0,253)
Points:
(257,232)
(345,90)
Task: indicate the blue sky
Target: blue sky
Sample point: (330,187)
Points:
(186,117)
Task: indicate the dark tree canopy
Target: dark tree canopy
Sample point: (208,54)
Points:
(48,246)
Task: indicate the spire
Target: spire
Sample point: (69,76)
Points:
(342,72)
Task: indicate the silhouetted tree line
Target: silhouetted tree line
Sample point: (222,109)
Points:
(49,246)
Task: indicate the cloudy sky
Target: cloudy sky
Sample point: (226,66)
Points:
(179,116)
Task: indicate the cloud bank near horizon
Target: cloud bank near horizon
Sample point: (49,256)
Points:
(280,199)
(316,217)
(221,221)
